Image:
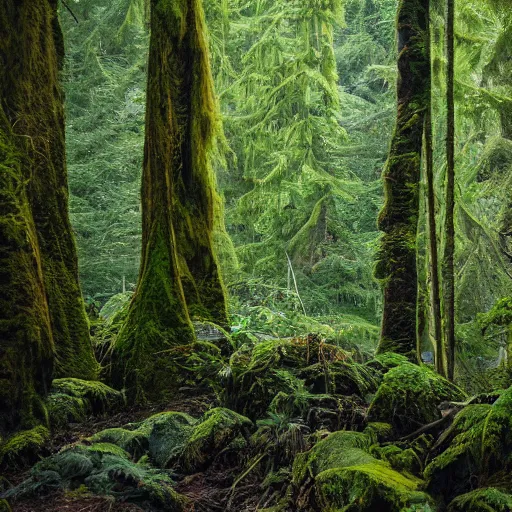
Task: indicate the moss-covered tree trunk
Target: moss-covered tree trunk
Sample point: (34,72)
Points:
(449,225)
(396,266)
(179,275)
(41,305)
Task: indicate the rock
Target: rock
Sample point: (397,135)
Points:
(409,396)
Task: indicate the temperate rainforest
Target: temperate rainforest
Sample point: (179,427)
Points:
(256,255)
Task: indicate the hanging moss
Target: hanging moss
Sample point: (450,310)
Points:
(409,397)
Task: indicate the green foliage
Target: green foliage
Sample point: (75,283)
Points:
(105,82)
(409,397)
(478,447)
(482,500)
(103,470)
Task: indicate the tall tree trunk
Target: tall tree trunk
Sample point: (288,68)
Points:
(42,310)
(449,227)
(179,272)
(435,291)
(396,265)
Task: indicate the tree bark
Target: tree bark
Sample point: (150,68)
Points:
(43,315)
(435,290)
(396,265)
(179,276)
(449,226)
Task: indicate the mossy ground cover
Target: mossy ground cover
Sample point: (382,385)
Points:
(257,432)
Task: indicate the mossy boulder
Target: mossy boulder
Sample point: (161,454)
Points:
(162,437)
(339,473)
(23,446)
(169,435)
(216,430)
(134,442)
(475,451)
(71,400)
(482,500)
(370,487)
(409,397)
(104,470)
(401,459)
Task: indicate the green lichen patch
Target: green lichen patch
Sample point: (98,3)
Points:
(482,500)
(476,449)
(409,397)
(216,430)
(23,446)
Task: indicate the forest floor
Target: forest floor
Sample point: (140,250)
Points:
(279,425)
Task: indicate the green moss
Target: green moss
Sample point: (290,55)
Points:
(169,435)
(344,448)
(99,397)
(64,409)
(409,396)
(369,487)
(384,362)
(134,442)
(379,432)
(476,448)
(162,437)
(404,460)
(23,445)
(217,429)
(482,500)
(109,448)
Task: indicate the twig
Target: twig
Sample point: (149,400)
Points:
(295,283)
(69,10)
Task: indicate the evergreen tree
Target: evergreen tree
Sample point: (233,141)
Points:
(42,313)
(398,220)
(179,275)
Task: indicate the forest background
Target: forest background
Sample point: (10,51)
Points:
(308,101)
